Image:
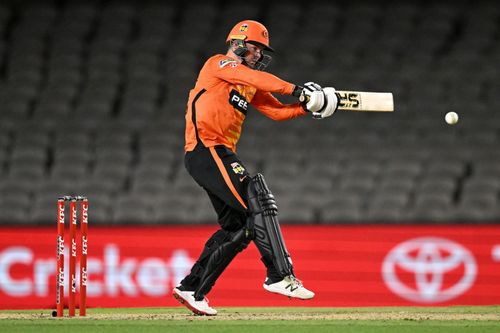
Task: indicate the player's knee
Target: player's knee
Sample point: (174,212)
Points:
(232,220)
(216,240)
(244,244)
(260,198)
(240,239)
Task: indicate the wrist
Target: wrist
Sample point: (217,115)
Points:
(297,91)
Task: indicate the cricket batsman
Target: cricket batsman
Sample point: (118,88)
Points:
(245,206)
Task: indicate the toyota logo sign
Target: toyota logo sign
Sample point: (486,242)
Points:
(429,270)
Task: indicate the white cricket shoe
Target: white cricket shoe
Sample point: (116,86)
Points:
(290,286)
(200,308)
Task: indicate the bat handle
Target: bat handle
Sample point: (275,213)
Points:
(304,98)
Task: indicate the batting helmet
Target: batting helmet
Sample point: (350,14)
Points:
(250,31)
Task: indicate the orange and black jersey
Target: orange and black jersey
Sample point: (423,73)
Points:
(219,101)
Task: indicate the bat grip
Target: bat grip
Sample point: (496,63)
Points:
(304,98)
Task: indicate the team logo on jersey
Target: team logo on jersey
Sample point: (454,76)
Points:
(237,168)
(238,101)
(244,27)
(225,62)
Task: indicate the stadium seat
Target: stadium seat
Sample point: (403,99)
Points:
(132,209)
(14,210)
(293,210)
(176,207)
(93,98)
(342,207)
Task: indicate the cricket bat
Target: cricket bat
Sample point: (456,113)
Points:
(363,101)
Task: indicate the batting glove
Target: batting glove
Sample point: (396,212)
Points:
(311,96)
(330,106)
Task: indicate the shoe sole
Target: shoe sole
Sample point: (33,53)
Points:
(189,306)
(289,296)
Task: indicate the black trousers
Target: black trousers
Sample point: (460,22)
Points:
(225,179)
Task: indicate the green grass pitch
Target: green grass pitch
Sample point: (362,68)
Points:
(262,320)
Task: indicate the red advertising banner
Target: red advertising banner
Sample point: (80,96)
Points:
(343,265)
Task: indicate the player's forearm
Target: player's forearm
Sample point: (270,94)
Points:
(272,108)
(286,112)
(262,81)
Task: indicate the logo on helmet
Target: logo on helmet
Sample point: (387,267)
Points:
(265,34)
(244,27)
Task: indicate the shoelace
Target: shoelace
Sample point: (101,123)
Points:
(204,300)
(296,281)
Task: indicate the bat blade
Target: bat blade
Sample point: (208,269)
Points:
(365,101)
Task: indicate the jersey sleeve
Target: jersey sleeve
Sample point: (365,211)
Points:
(231,71)
(271,107)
